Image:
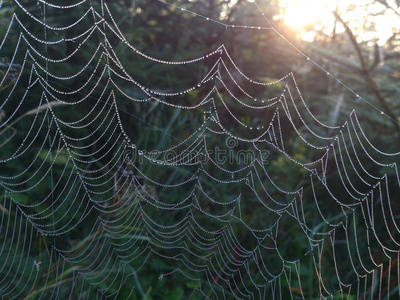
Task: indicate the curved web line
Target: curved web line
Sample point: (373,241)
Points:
(118,193)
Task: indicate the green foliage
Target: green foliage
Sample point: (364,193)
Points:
(165,33)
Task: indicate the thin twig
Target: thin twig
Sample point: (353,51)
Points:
(366,73)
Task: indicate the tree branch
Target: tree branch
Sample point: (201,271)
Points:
(367,75)
(387,5)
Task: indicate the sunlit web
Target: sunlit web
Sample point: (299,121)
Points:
(106,179)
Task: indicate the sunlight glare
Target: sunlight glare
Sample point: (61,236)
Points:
(299,14)
(308,16)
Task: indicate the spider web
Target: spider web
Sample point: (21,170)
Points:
(181,204)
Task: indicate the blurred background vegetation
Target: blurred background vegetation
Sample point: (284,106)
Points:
(355,41)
